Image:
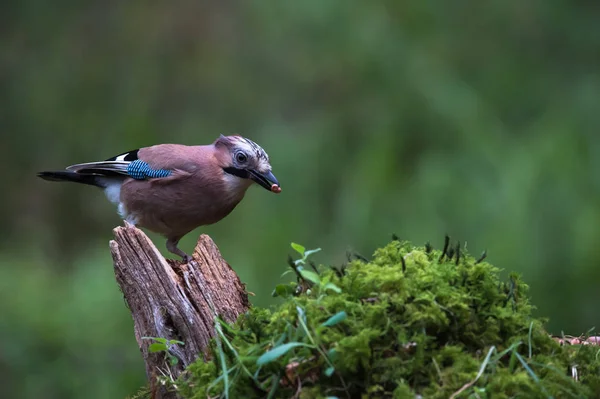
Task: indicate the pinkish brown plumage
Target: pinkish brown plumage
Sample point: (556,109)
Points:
(172,189)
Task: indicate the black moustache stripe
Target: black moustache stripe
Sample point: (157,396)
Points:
(243,173)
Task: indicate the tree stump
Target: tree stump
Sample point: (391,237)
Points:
(173,300)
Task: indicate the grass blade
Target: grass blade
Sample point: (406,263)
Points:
(278,351)
(335,319)
(479,374)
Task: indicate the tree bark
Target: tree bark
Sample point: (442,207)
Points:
(173,300)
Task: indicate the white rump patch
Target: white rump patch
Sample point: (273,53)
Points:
(113,192)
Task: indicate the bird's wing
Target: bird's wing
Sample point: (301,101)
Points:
(106,168)
(126,164)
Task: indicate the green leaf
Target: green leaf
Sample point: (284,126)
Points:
(335,319)
(332,354)
(283,290)
(161,340)
(277,352)
(332,287)
(311,251)
(175,342)
(173,360)
(329,371)
(298,248)
(310,276)
(153,348)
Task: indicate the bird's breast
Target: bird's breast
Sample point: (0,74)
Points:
(177,207)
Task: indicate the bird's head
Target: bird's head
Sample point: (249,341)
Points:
(244,159)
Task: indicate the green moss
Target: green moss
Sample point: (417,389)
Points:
(399,325)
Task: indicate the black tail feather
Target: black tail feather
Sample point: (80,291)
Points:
(70,177)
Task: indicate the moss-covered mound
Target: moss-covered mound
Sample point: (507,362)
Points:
(411,321)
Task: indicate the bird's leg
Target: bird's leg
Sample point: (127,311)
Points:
(172,247)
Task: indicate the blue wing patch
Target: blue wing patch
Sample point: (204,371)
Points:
(140,170)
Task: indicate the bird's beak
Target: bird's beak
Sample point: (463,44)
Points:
(266,180)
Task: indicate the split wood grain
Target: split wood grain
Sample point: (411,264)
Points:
(173,300)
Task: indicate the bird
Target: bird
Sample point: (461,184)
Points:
(172,189)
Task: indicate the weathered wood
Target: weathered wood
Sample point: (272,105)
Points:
(171,300)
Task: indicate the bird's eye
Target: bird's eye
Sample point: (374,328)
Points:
(241,157)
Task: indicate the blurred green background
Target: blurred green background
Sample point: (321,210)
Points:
(420,118)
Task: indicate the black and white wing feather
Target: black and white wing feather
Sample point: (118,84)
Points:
(102,173)
(115,166)
(128,156)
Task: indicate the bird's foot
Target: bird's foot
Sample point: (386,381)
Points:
(172,247)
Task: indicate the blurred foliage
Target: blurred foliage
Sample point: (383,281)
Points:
(417,117)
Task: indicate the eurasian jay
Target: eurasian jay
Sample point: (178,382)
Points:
(171,189)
